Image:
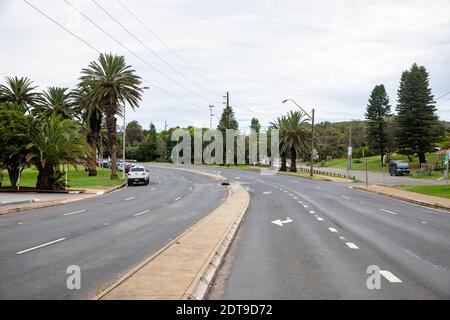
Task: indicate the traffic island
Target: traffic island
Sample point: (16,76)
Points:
(185,268)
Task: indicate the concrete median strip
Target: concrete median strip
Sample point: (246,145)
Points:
(185,268)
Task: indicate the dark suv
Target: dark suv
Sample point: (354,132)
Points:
(398,168)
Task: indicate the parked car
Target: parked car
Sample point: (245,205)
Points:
(399,168)
(138,174)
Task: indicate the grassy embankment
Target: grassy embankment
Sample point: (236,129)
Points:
(438,190)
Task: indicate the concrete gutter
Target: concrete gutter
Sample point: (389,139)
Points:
(185,268)
(408,196)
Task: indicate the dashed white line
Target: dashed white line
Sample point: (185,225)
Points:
(312,212)
(178,198)
(387,211)
(305,206)
(131,198)
(345,197)
(389,276)
(333,230)
(424,222)
(320,219)
(154,189)
(190,188)
(351,245)
(141,213)
(40,246)
(267,192)
(75,212)
(318,188)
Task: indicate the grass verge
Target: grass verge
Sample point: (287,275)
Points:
(442,191)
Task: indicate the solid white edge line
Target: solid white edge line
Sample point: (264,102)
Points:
(75,212)
(389,276)
(42,245)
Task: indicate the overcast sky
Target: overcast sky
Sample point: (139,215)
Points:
(324,54)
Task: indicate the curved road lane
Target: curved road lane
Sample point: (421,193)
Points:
(105,235)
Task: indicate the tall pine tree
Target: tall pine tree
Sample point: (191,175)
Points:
(416,114)
(227,121)
(377,110)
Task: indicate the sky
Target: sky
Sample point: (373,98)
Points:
(326,55)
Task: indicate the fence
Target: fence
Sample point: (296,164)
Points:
(326,173)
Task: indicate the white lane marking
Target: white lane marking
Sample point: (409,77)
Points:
(20,223)
(154,189)
(141,213)
(312,212)
(280,222)
(384,210)
(320,219)
(285,191)
(332,229)
(131,198)
(424,222)
(295,198)
(345,197)
(176,199)
(342,238)
(159,182)
(267,192)
(75,212)
(305,206)
(351,245)
(237,178)
(300,202)
(190,188)
(389,276)
(318,188)
(42,245)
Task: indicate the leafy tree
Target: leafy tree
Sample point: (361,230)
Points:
(20,92)
(278,124)
(55,141)
(377,110)
(55,100)
(112,84)
(14,126)
(416,114)
(133,132)
(255,125)
(227,120)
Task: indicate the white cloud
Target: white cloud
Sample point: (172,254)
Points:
(326,54)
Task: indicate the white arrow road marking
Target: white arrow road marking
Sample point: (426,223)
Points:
(346,197)
(384,210)
(280,223)
(76,212)
(42,245)
(128,199)
(141,213)
(332,229)
(389,276)
(351,245)
(267,192)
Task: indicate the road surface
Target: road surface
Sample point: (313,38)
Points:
(105,236)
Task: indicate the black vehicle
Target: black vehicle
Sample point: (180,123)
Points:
(399,168)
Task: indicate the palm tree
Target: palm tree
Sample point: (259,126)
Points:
(294,136)
(19,91)
(55,100)
(55,141)
(278,124)
(111,85)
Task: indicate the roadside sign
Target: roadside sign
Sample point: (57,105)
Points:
(349,151)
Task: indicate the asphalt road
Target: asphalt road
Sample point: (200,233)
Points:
(105,236)
(332,235)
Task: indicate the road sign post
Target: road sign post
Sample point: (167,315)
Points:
(447,155)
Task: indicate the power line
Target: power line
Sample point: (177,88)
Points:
(166,45)
(132,52)
(443,95)
(150,49)
(98,51)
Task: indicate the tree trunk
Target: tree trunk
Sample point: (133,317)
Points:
(13,173)
(283,166)
(422,158)
(111,123)
(95,123)
(44,177)
(293,167)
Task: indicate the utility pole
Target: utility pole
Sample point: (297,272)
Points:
(211,115)
(350,151)
(124,136)
(165,125)
(227,97)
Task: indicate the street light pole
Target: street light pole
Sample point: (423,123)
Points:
(123,151)
(312,132)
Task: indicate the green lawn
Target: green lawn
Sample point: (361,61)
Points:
(76,179)
(438,191)
(374,164)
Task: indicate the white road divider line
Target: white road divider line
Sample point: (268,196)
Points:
(267,192)
(154,189)
(351,245)
(345,197)
(320,219)
(75,212)
(41,246)
(318,188)
(387,211)
(332,230)
(305,206)
(312,212)
(190,188)
(178,198)
(389,276)
(141,213)
(131,198)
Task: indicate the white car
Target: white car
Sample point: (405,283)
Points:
(138,174)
